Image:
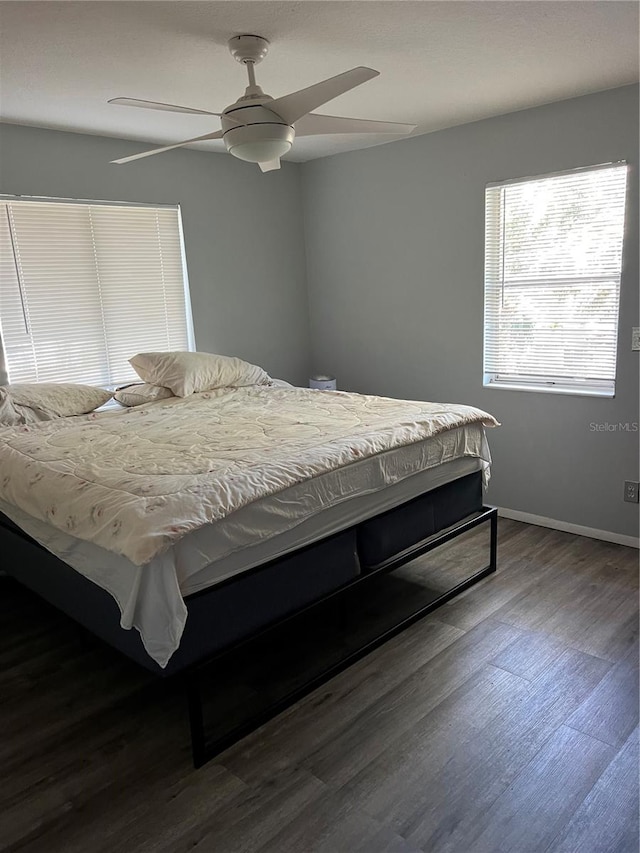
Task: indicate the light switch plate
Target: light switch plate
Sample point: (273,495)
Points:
(635,338)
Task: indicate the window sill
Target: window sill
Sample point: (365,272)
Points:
(607,393)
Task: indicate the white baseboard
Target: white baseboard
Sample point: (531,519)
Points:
(591,532)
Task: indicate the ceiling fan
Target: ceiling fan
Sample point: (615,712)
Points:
(261,130)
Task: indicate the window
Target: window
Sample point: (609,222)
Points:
(553,258)
(85,286)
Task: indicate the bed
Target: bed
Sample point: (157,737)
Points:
(177,530)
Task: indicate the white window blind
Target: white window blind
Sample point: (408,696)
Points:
(85,286)
(553,258)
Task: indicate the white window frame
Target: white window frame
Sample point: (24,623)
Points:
(495,282)
(190,337)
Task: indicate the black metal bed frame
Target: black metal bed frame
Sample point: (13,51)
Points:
(204,750)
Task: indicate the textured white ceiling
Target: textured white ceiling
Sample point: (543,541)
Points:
(441,63)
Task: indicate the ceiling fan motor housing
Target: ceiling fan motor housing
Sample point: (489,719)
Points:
(262,130)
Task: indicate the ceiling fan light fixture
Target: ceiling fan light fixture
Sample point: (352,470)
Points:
(260,152)
(259,143)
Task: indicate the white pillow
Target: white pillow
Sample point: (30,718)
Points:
(188,373)
(11,415)
(48,400)
(138,395)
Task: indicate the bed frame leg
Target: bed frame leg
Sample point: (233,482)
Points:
(493,544)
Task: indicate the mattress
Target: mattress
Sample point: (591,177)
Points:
(151,596)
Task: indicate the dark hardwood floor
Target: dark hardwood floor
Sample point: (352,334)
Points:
(505,721)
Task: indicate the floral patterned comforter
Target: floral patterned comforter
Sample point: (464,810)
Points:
(136,482)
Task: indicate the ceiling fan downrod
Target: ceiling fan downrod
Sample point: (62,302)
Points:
(249,50)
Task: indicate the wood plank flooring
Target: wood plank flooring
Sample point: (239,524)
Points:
(504,722)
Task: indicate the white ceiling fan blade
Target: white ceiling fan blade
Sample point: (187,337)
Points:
(269,166)
(216,135)
(157,105)
(318,124)
(292,107)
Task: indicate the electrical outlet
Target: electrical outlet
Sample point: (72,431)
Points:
(635,338)
(631,491)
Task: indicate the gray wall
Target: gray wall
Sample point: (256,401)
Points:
(394,264)
(394,240)
(243,232)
